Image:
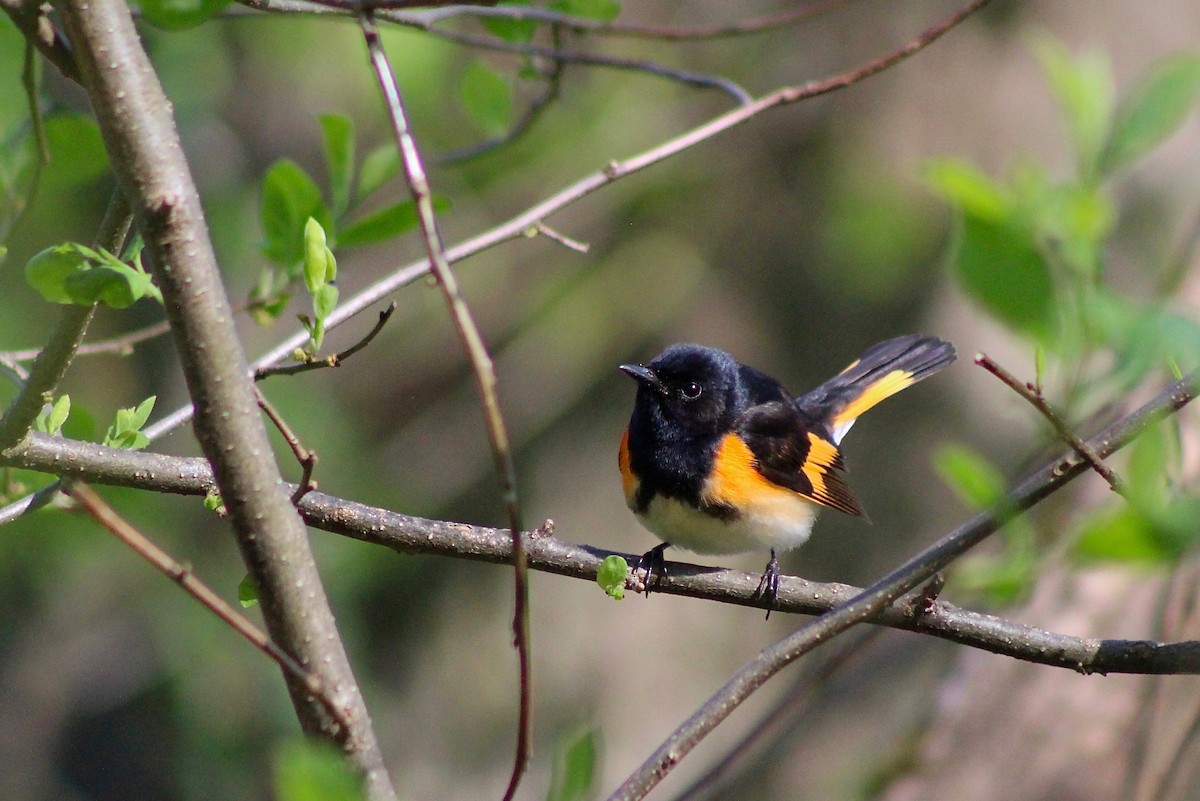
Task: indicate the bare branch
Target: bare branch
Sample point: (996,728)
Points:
(34,23)
(306,458)
(1033,394)
(485,379)
(182,575)
(331,361)
(917,613)
(427,18)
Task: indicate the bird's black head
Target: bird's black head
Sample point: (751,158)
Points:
(687,391)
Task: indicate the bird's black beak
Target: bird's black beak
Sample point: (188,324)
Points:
(644,376)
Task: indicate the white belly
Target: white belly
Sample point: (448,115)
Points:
(781,521)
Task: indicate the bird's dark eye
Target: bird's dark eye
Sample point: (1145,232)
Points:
(691,390)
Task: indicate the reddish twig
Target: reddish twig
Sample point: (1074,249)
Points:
(1033,393)
(182,575)
(483,370)
(306,458)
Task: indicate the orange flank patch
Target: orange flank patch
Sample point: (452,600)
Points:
(629,481)
(882,389)
(734,481)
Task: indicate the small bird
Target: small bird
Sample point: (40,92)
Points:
(719,458)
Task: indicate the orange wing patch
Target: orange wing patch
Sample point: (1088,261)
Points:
(823,468)
(735,480)
(879,391)
(629,482)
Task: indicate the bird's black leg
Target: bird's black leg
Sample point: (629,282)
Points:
(654,564)
(768,585)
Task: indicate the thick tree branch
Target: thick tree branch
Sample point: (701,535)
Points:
(139,133)
(406,534)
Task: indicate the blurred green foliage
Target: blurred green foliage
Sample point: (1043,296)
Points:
(1031,251)
(794,241)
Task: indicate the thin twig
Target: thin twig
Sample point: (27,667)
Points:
(483,370)
(427,18)
(1033,393)
(330,361)
(562,239)
(568,56)
(121,345)
(553,82)
(182,575)
(33,20)
(697,79)
(306,458)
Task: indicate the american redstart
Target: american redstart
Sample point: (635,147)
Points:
(719,458)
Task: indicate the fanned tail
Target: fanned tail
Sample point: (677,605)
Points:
(882,371)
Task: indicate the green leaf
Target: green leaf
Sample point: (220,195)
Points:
(125,430)
(599,10)
(324,302)
(972,477)
(611,576)
(517,31)
(51,418)
(338,133)
(114,284)
(574,771)
(1123,536)
(289,198)
(316,256)
(1084,90)
(77,153)
(48,271)
(309,770)
(487,98)
(180,14)
(387,223)
(142,413)
(1153,112)
(1001,269)
(377,169)
(247,592)
(969,188)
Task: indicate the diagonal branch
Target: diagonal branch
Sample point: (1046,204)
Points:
(1033,394)
(139,132)
(485,379)
(182,575)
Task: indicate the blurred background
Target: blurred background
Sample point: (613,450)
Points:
(793,241)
